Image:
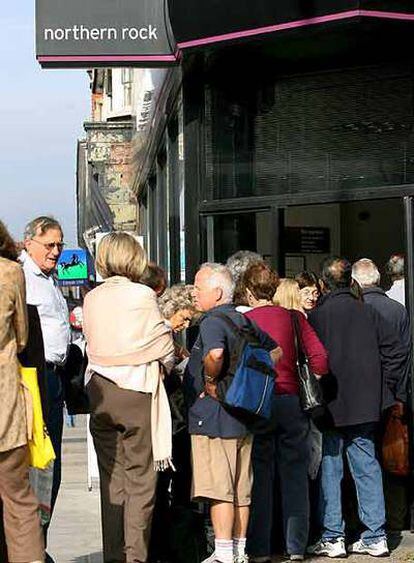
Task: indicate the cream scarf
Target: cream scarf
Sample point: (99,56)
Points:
(145,340)
(161,425)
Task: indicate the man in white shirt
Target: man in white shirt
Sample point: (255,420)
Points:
(43,243)
(395,269)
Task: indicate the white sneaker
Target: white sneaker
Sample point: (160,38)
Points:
(241,559)
(211,559)
(334,548)
(376,549)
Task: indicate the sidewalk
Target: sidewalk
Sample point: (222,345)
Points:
(75,531)
(75,534)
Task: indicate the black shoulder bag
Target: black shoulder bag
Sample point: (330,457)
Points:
(310,392)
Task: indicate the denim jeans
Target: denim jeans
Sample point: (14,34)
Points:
(358,443)
(285,448)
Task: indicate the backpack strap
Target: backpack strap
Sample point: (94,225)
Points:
(229,321)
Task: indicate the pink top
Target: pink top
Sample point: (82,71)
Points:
(277,322)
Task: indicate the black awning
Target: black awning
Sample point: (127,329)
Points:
(217,21)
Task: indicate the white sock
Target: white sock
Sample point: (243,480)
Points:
(239,546)
(224,550)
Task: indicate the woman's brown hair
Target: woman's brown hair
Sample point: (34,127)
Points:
(261,280)
(8,248)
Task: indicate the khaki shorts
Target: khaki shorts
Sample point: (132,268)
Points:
(222,469)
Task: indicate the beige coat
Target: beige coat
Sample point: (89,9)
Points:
(13,337)
(123,326)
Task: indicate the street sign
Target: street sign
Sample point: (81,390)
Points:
(85,33)
(73,267)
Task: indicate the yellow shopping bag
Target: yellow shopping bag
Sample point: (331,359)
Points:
(40,445)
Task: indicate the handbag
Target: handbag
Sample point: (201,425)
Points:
(395,443)
(41,452)
(73,377)
(310,391)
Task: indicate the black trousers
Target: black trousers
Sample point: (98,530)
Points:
(284,450)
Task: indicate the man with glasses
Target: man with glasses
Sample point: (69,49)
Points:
(43,243)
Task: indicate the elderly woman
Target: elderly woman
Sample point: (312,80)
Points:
(238,263)
(173,507)
(20,508)
(127,340)
(286,440)
(177,307)
(309,290)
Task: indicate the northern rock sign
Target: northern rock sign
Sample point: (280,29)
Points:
(85,33)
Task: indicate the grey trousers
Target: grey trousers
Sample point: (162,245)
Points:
(121,430)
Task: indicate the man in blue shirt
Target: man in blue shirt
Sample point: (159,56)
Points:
(221,444)
(43,243)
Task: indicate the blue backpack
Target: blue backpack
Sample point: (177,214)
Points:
(248,386)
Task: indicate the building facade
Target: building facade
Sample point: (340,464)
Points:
(286,129)
(105,197)
(295,142)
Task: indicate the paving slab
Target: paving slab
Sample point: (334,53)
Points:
(75,532)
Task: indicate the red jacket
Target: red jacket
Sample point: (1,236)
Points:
(277,322)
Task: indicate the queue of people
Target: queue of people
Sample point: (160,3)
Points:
(165,441)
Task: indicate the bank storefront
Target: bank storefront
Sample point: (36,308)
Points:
(296,143)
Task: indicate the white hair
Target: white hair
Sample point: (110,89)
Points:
(366,273)
(41,224)
(220,277)
(240,261)
(176,298)
(395,266)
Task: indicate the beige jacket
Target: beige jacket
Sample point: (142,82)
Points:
(123,326)
(13,338)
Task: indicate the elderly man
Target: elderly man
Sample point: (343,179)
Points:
(43,243)
(395,315)
(366,273)
(364,355)
(221,444)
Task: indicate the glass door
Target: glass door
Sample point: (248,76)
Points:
(354,229)
(227,233)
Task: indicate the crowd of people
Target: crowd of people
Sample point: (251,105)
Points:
(166,444)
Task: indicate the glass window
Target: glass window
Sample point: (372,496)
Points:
(229,233)
(336,131)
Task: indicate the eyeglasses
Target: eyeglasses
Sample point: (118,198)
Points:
(309,293)
(51,245)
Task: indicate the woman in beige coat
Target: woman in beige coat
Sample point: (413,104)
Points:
(20,508)
(127,340)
